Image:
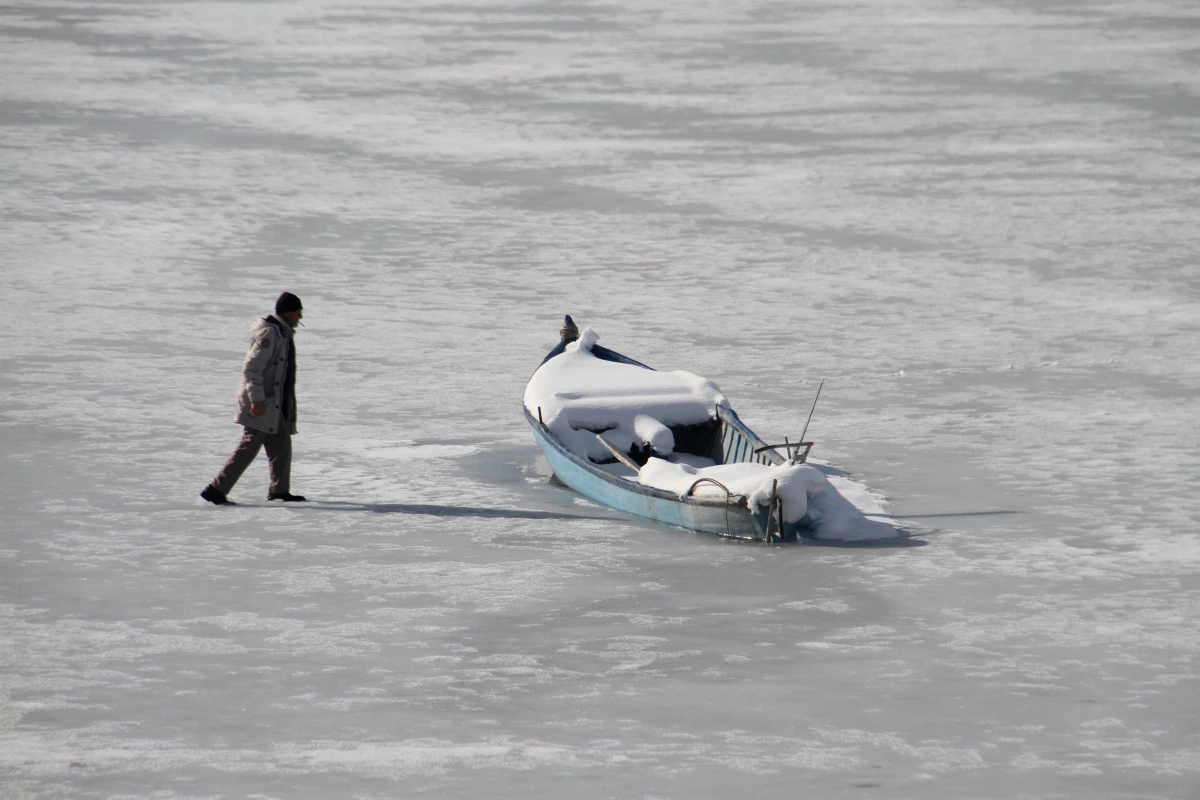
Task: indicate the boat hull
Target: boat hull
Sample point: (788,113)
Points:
(706,514)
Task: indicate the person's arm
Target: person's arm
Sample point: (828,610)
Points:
(253,369)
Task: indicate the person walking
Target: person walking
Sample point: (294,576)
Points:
(266,404)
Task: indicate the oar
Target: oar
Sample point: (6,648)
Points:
(618,455)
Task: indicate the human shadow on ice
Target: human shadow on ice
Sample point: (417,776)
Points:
(432,510)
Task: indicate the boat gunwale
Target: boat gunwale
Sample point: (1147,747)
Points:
(736,501)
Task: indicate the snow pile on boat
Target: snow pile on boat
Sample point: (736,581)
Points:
(580,395)
(796,482)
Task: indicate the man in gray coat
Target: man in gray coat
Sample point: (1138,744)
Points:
(266,405)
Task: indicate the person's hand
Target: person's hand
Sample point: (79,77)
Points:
(256,408)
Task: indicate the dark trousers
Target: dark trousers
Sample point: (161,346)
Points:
(279,457)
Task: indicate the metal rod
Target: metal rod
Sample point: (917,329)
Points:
(768,447)
(771,509)
(692,488)
(814,408)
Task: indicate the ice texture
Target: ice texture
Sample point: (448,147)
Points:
(579,395)
(975,220)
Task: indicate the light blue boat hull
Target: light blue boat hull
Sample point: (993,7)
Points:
(709,515)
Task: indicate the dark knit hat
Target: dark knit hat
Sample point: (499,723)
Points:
(288,302)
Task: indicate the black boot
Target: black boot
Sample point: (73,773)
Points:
(215,496)
(287,498)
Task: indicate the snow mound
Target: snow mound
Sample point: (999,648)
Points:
(580,395)
(654,433)
(797,482)
(844,513)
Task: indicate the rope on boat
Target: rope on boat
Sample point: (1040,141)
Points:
(570,331)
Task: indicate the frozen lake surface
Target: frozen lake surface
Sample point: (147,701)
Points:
(975,220)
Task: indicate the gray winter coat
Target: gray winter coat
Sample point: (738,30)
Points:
(263,377)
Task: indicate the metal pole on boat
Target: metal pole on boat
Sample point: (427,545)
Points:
(779,510)
(771,509)
(811,410)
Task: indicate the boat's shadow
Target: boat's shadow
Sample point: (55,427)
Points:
(893,537)
(893,542)
(907,537)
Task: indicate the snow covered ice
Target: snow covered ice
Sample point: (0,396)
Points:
(975,221)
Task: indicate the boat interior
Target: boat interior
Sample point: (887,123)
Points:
(722,439)
(719,441)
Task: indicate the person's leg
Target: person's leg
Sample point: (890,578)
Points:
(247,449)
(279,454)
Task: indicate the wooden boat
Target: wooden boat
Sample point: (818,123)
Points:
(724,439)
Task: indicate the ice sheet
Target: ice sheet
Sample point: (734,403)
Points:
(975,220)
